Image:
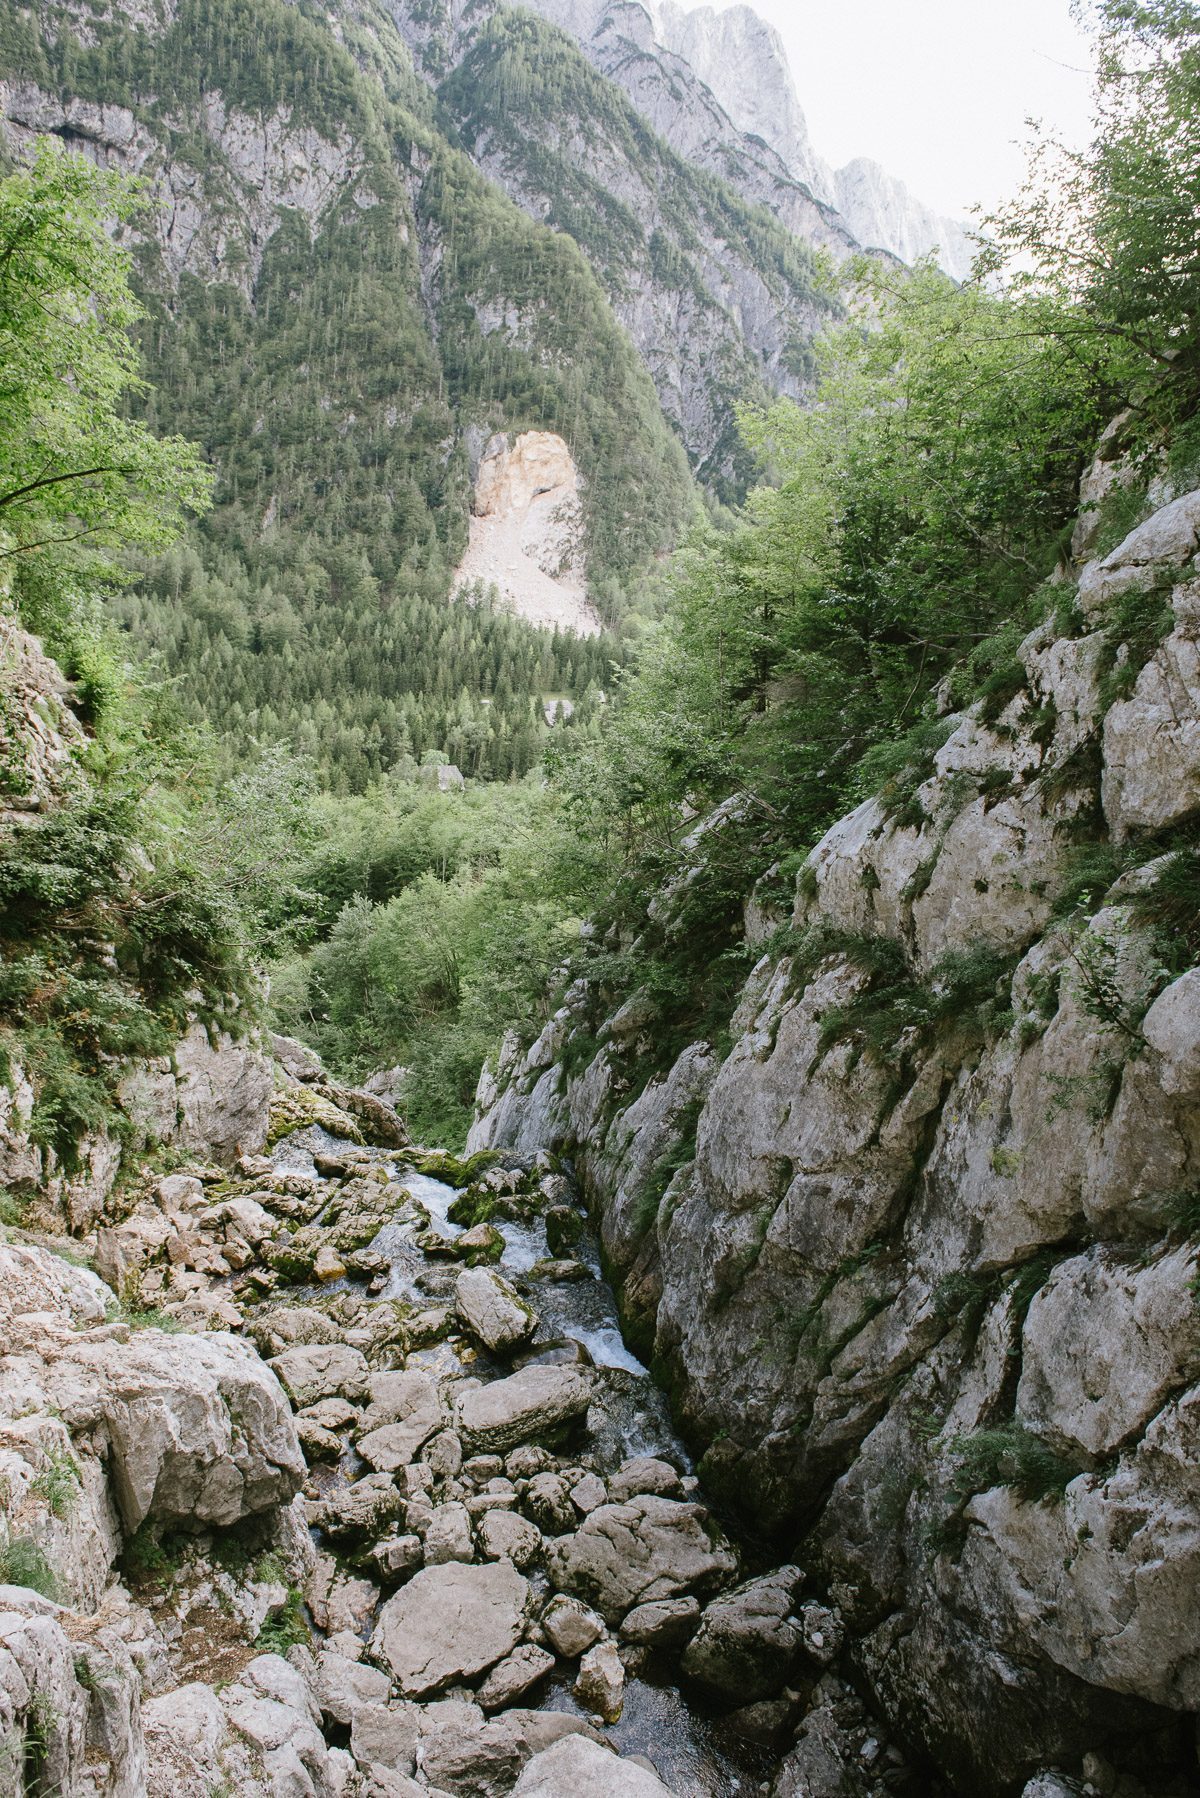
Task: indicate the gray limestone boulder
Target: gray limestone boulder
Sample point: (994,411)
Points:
(536,1405)
(746,1646)
(492,1311)
(586,1770)
(319,1370)
(450,1623)
(649,1548)
(200,1431)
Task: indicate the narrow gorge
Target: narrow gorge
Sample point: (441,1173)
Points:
(599,920)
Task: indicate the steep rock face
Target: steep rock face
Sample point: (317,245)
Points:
(923,1283)
(718,87)
(526,533)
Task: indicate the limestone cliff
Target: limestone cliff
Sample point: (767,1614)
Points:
(917,1251)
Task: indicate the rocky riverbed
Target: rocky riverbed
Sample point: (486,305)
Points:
(333,1475)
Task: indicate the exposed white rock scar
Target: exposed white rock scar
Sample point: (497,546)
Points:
(527,532)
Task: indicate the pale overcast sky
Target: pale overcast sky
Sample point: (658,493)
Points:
(935,90)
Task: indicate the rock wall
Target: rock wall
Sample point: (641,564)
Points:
(922,1283)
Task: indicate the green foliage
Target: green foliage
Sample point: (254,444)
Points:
(1109,236)
(114,930)
(286,1627)
(1009,1456)
(76,474)
(23,1563)
(58,1482)
(440,919)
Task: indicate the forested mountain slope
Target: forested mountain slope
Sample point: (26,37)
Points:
(343,310)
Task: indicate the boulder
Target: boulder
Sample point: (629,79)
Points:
(474,1756)
(748,1640)
(570,1627)
(447,1535)
(548,1502)
(511,1678)
(342,1687)
(199,1429)
(503,1536)
(404,1412)
(537,1404)
(450,1623)
(364,1508)
(649,1548)
(663,1623)
(492,1311)
(586,1770)
(643,1474)
(321,1370)
(600,1686)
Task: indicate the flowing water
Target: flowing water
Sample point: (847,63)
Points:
(695,1755)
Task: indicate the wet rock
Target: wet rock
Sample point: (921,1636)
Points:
(571,1627)
(643,1474)
(600,1686)
(506,1537)
(482,1243)
(514,1676)
(564,1230)
(827,1761)
(450,1623)
(492,1310)
(585,1769)
(327,1266)
(748,1640)
(648,1548)
(664,1623)
(822,1632)
(321,1370)
(537,1403)
(548,1502)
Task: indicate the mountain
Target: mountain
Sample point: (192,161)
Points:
(743,61)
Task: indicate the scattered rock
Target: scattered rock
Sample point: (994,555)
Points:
(584,1769)
(505,1537)
(514,1676)
(321,1370)
(571,1627)
(748,1639)
(664,1623)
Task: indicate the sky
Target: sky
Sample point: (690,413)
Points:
(935,90)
